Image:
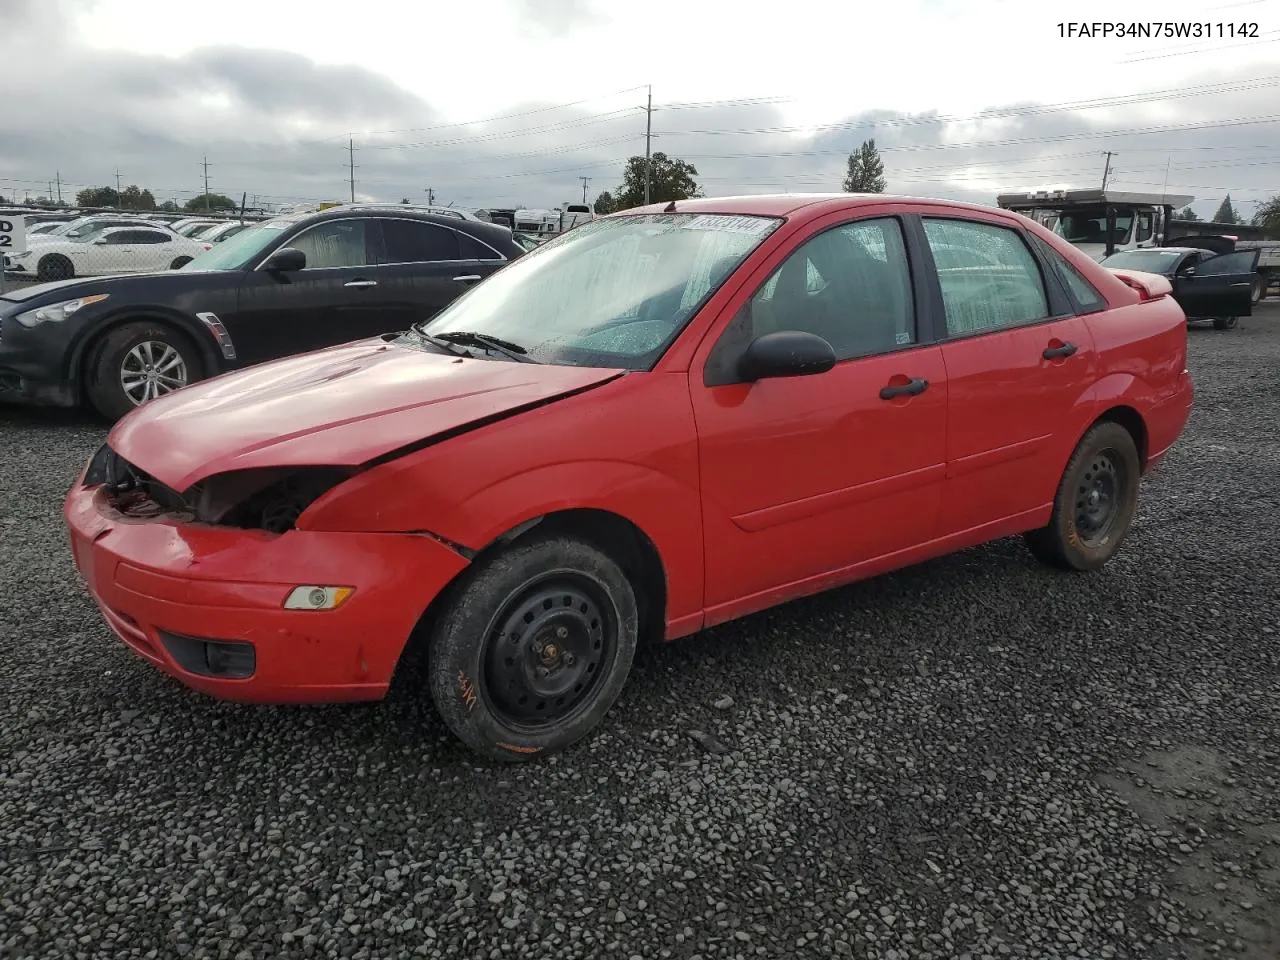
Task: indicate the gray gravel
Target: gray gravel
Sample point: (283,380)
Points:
(975,758)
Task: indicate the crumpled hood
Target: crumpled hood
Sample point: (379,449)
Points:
(341,406)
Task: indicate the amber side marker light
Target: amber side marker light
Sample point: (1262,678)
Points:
(317,598)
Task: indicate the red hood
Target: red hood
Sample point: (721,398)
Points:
(337,407)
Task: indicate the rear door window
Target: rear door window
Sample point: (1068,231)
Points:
(415,241)
(989,278)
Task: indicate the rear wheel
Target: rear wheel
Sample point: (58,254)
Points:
(533,648)
(1224,323)
(179,262)
(1096,500)
(139,362)
(54,267)
(1259,288)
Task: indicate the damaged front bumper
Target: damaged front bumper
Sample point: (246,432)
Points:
(206,603)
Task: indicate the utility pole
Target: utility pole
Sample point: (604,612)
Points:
(1106,172)
(58,180)
(431,197)
(585,181)
(351,164)
(205,164)
(648,136)
(119,202)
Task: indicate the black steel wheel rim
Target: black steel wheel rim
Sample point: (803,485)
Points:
(1098,496)
(549,650)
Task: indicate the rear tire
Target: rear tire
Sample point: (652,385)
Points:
(1259,288)
(533,648)
(1095,503)
(123,365)
(54,267)
(1225,323)
(179,262)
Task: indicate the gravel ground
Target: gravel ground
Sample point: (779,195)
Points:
(974,758)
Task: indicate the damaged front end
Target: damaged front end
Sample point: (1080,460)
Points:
(266,498)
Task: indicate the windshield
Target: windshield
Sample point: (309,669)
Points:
(1089,225)
(612,293)
(241,250)
(1148,261)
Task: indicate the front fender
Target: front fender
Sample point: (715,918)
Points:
(91,335)
(668,511)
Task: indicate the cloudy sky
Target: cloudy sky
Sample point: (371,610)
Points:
(507,102)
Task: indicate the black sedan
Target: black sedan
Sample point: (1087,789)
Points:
(1209,284)
(280,287)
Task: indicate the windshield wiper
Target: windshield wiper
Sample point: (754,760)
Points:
(467,337)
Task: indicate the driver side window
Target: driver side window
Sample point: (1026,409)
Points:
(850,285)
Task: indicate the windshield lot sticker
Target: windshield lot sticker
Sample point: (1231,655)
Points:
(727,224)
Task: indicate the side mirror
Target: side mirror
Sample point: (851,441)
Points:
(100,243)
(786,353)
(285,260)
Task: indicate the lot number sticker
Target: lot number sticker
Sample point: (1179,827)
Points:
(730,224)
(13,235)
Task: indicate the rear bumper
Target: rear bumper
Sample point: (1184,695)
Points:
(166,589)
(1168,419)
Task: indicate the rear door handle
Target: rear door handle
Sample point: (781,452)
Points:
(469,278)
(1057,353)
(913,387)
(361,283)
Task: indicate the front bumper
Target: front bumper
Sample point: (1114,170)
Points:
(33,362)
(163,586)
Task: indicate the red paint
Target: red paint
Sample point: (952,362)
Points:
(751,494)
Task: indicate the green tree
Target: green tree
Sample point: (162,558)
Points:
(865,172)
(405,200)
(1226,212)
(211,202)
(669,179)
(133,198)
(98,197)
(1186,213)
(605,204)
(1267,216)
(170,206)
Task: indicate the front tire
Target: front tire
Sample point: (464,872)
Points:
(179,263)
(1259,288)
(1224,323)
(53,267)
(139,362)
(533,648)
(1095,504)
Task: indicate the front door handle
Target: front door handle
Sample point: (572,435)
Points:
(913,387)
(361,283)
(1057,353)
(469,278)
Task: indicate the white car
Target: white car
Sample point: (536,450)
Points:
(86,228)
(219,232)
(132,249)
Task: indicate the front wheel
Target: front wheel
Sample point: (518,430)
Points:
(534,648)
(54,267)
(1224,323)
(1096,500)
(136,363)
(179,263)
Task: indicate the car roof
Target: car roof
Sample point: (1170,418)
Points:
(789,204)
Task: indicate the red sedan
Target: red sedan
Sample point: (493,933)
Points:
(663,420)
